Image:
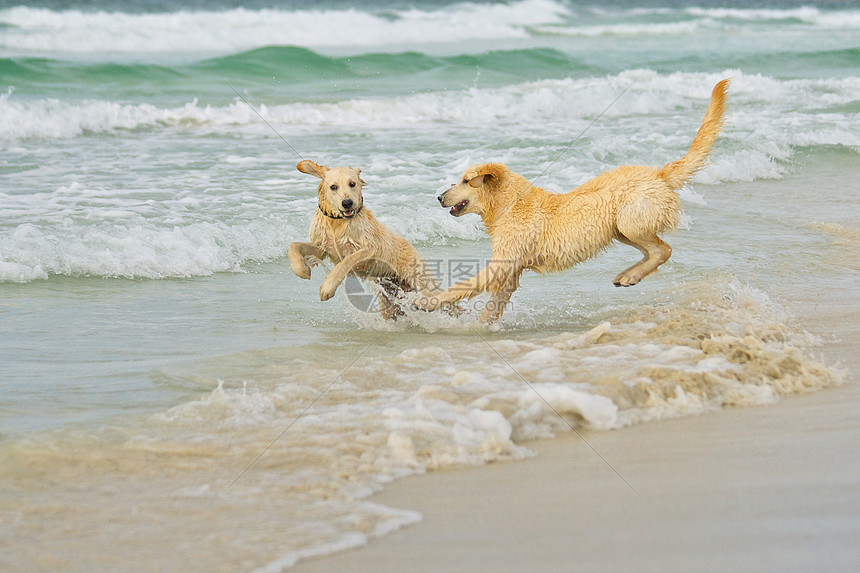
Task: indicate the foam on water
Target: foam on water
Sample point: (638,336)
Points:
(36,31)
(757,103)
(465,398)
(140,251)
(806,14)
(56,119)
(665,29)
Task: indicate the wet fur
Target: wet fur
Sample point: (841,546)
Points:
(531,228)
(346,232)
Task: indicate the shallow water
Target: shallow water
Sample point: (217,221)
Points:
(164,372)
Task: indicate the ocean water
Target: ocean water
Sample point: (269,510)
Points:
(172,395)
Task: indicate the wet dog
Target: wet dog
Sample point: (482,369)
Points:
(531,228)
(345,231)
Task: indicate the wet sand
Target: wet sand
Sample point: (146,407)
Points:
(769,488)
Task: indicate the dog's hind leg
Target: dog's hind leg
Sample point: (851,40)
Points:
(655,251)
(497,304)
(506,279)
(387,296)
(468,288)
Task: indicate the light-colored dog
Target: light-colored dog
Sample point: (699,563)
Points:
(345,231)
(533,229)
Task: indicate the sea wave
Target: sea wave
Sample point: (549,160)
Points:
(37,31)
(767,113)
(100,34)
(138,250)
(292,65)
(810,15)
(562,100)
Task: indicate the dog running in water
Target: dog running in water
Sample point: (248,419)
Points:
(531,228)
(345,231)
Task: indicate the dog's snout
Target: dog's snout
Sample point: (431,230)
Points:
(440,198)
(347,204)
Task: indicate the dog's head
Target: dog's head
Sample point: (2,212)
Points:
(339,191)
(473,193)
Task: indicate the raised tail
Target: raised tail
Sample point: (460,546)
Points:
(677,173)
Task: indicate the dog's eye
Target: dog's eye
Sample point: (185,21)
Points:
(352,183)
(333,187)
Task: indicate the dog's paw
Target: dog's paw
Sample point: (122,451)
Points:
(327,289)
(302,271)
(300,266)
(626,280)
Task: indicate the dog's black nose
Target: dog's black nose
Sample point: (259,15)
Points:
(439,198)
(347,204)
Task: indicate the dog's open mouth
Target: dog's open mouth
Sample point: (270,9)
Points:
(348,214)
(457,209)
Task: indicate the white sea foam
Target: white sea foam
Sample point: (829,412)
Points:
(40,31)
(565,100)
(433,407)
(756,103)
(141,250)
(664,22)
(764,112)
(390,520)
(639,30)
(56,119)
(808,15)
(716,345)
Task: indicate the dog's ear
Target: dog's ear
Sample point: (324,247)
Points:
(312,168)
(477,181)
(480,173)
(358,174)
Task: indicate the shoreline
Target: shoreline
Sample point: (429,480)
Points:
(758,488)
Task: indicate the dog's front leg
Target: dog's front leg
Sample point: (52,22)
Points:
(343,268)
(299,253)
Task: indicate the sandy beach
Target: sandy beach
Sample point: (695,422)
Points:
(770,488)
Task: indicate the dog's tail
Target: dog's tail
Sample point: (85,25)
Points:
(677,173)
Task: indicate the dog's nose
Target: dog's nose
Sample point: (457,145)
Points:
(440,198)
(347,204)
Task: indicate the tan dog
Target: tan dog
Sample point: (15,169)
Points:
(533,229)
(346,232)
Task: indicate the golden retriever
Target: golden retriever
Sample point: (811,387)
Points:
(533,229)
(346,232)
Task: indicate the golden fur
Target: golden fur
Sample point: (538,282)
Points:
(533,229)
(347,233)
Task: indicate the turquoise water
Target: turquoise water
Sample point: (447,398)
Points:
(154,342)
